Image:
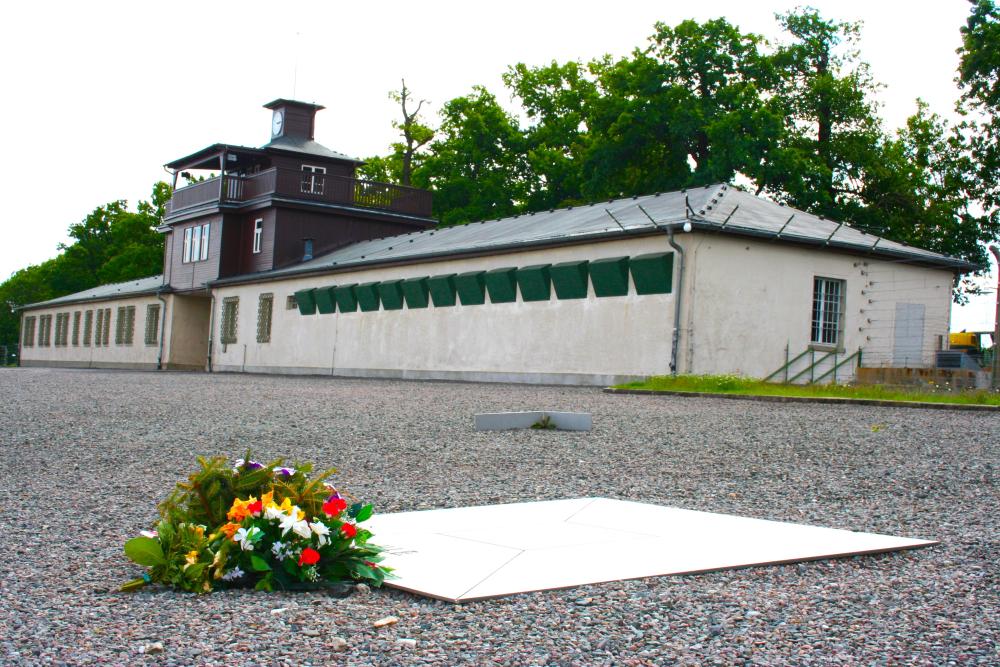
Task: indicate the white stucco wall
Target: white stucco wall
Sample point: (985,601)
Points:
(584,341)
(136,355)
(744,301)
(751,298)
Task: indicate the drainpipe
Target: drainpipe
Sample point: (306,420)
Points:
(677,299)
(163,329)
(675,341)
(211,330)
(996,325)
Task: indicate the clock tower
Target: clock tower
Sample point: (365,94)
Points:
(292,119)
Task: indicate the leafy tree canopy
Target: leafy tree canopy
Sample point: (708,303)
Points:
(704,102)
(112,244)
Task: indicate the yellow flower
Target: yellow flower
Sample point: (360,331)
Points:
(192,557)
(200,530)
(267,499)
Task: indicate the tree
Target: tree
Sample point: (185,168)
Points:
(476,168)
(557,99)
(979,79)
(398,166)
(718,74)
(920,191)
(827,94)
(111,244)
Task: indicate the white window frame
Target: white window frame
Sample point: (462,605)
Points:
(205,230)
(186,255)
(312,179)
(195,243)
(258,235)
(828,306)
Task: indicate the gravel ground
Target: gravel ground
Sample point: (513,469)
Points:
(85,456)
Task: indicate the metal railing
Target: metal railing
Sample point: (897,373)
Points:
(814,366)
(307,186)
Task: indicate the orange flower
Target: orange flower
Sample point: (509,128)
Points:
(230,529)
(239,510)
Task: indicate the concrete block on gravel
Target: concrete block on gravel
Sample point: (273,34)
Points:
(504,421)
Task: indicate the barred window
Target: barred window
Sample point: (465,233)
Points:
(120,326)
(129,325)
(152,323)
(62,329)
(76,328)
(827,311)
(106,333)
(291,303)
(230,309)
(265,305)
(44,330)
(125,325)
(28,335)
(107,326)
(99,333)
(88,324)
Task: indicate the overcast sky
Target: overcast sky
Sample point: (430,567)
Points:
(100,94)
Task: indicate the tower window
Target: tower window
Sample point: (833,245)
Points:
(258,234)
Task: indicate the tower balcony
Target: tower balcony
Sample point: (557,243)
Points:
(235,191)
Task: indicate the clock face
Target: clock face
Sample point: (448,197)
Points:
(277,121)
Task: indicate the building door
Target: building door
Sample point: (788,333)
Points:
(908,335)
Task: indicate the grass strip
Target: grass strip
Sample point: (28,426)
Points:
(731,384)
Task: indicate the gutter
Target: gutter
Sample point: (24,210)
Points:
(211,330)
(163,329)
(264,201)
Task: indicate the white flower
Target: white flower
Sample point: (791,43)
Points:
(273,514)
(293,523)
(149,533)
(302,529)
(245,538)
(321,532)
(276,549)
(234,573)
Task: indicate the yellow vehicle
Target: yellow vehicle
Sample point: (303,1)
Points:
(976,344)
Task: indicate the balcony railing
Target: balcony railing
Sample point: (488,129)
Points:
(302,185)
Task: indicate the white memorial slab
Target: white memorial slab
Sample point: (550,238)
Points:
(473,553)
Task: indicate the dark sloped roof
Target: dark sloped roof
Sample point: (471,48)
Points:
(199,159)
(710,209)
(307,147)
(129,288)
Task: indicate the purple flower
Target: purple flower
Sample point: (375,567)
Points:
(334,496)
(286,472)
(246,465)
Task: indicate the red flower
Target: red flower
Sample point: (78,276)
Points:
(349,530)
(309,557)
(255,508)
(335,506)
(372,565)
